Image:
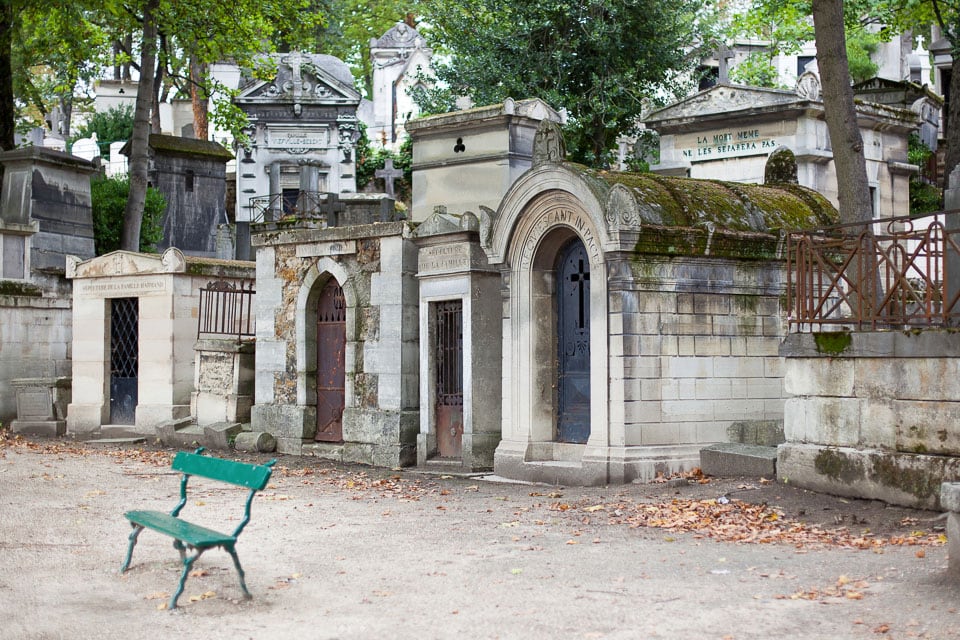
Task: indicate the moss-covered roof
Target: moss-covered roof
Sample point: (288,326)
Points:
(185,146)
(732,206)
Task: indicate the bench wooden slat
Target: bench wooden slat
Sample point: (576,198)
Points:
(191,534)
(236,473)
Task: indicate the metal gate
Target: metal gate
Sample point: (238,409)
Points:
(449,389)
(331,346)
(124,359)
(573,344)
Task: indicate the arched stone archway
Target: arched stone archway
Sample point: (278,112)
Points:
(547,223)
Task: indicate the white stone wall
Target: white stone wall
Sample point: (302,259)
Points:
(694,363)
(872,415)
(35,337)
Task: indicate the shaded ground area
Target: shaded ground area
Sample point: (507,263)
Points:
(335,551)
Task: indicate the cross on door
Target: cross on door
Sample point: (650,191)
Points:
(389,174)
(578,279)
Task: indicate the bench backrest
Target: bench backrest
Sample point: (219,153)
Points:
(251,476)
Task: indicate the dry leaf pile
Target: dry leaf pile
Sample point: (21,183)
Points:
(738,521)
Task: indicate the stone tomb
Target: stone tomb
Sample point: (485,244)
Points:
(641,316)
(459,346)
(191,175)
(728,131)
(336,343)
(303,128)
(133,362)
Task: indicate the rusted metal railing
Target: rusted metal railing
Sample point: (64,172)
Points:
(226,309)
(297,204)
(890,274)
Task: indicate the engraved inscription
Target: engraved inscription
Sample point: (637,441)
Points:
(138,287)
(442,259)
(34,404)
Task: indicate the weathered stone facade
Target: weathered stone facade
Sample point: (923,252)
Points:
(728,131)
(685,319)
(374,265)
(166,290)
(873,414)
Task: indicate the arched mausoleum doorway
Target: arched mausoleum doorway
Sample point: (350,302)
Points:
(555,412)
(326,313)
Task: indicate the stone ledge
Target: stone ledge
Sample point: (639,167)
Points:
(732,459)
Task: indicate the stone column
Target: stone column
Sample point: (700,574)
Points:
(276,202)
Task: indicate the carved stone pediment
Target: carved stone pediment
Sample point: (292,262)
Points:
(304,78)
(722,98)
(438,223)
(124,263)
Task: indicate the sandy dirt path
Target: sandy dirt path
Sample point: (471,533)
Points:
(340,552)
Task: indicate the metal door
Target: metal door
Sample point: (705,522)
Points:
(573,344)
(331,345)
(449,387)
(124,359)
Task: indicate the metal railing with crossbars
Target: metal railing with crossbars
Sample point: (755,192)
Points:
(899,273)
(226,309)
(297,204)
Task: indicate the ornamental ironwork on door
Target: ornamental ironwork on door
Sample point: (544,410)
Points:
(449,380)
(124,359)
(331,373)
(573,344)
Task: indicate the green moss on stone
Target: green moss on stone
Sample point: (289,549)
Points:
(917,482)
(17,288)
(832,343)
(838,466)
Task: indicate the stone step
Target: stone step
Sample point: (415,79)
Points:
(732,459)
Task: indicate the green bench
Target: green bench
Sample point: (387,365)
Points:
(187,535)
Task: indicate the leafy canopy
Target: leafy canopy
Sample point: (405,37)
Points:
(109,197)
(601,60)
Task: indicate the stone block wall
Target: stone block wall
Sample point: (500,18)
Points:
(873,415)
(35,337)
(698,341)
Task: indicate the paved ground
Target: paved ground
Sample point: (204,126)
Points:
(350,552)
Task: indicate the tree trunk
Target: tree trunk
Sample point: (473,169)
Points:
(841,114)
(198,99)
(952,157)
(7,110)
(155,126)
(853,191)
(140,140)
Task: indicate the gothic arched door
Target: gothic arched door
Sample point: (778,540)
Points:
(331,347)
(573,344)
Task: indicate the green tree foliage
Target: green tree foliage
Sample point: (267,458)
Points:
(109,197)
(371,158)
(601,60)
(925,197)
(349,25)
(113,125)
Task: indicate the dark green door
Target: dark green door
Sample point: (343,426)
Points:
(124,359)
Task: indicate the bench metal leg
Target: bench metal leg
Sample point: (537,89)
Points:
(236,563)
(187,565)
(133,541)
(180,548)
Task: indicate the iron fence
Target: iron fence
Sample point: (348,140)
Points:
(897,273)
(296,204)
(226,309)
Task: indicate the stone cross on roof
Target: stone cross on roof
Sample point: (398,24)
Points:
(331,208)
(389,174)
(295,60)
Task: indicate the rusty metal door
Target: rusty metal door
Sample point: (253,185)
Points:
(331,345)
(573,344)
(449,387)
(124,359)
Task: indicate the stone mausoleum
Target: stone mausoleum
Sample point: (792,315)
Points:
(558,324)
(727,132)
